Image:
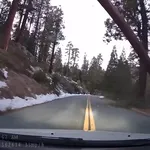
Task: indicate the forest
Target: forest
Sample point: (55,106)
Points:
(38,26)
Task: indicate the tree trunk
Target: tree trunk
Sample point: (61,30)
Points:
(8,25)
(68,63)
(22,26)
(142,81)
(45,52)
(125,28)
(29,8)
(31,21)
(40,56)
(37,24)
(52,58)
(42,44)
(21,15)
(144,39)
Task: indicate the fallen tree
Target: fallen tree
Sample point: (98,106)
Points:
(125,28)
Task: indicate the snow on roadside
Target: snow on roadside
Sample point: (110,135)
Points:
(101,96)
(5,73)
(17,102)
(2,84)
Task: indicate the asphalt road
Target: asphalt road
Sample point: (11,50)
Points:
(77,113)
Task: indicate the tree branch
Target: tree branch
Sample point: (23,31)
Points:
(125,28)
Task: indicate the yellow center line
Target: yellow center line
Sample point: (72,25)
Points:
(86,119)
(92,121)
(89,122)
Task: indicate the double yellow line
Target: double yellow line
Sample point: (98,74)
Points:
(89,122)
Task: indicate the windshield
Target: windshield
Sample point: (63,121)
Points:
(75,65)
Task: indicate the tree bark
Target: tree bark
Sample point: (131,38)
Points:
(144,39)
(125,28)
(8,25)
(142,81)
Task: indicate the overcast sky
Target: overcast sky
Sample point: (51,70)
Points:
(84,26)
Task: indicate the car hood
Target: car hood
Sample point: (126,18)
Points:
(90,135)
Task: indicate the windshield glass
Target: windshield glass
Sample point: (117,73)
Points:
(75,65)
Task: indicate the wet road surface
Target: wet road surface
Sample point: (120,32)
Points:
(83,112)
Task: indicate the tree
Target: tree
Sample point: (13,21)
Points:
(8,25)
(4,11)
(117,79)
(68,54)
(133,62)
(74,56)
(57,32)
(136,15)
(75,73)
(84,69)
(95,74)
(123,86)
(36,20)
(38,6)
(21,10)
(58,60)
(110,74)
(125,28)
(28,10)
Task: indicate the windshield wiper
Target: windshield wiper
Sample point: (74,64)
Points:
(72,142)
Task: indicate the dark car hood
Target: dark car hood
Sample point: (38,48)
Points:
(90,135)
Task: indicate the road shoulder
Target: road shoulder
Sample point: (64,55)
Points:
(142,111)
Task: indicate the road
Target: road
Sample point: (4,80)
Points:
(88,113)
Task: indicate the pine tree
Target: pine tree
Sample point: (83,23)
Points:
(117,78)
(84,69)
(95,74)
(29,8)
(74,56)
(123,86)
(137,15)
(57,32)
(109,77)
(58,60)
(4,11)
(68,55)
(133,62)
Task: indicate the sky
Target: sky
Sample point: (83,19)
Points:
(84,26)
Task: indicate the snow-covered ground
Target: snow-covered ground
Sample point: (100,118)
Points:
(17,102)
(5,73)
(2,84)
(101,96)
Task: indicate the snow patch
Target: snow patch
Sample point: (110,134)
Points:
(101,97)
(17,102)
(2,84)
(49,78)
(5,73)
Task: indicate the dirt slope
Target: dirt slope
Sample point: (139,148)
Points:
(21,75)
